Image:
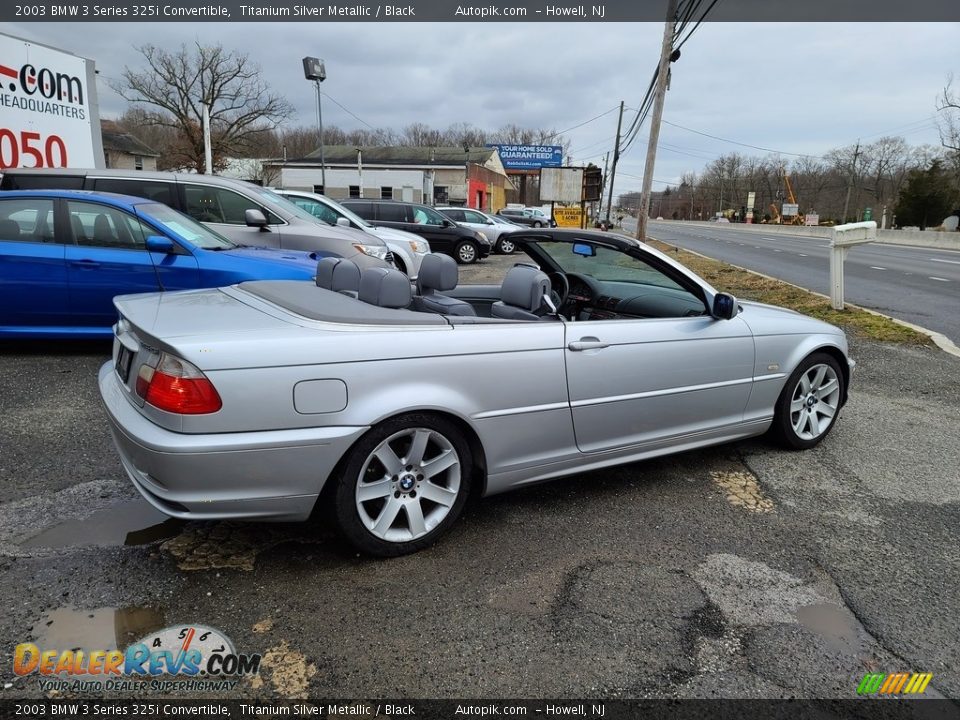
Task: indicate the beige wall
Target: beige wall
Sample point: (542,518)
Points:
(123,161)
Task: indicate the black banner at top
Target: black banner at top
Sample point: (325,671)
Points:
(539,11)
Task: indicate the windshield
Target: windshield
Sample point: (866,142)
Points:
(185,226)
(607,265)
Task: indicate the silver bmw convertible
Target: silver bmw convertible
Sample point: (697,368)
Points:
(390,404)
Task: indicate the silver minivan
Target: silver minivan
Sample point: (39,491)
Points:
(242,212)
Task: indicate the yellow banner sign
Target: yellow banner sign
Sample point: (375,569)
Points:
(567,216)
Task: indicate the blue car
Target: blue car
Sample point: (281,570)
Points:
(65,254)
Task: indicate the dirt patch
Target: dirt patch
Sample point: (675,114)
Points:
(742,490)
(286,670)
(211,546)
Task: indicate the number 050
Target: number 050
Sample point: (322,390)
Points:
(12,148)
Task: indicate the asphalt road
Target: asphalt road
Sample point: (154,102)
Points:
(919,285)
(738,571)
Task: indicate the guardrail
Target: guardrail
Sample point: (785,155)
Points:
(843,237)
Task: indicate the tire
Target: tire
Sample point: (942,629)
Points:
(505,246)
(537,224)
(400,264)
(466,253)
(809,403)
(403,511)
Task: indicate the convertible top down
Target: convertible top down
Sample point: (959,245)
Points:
(391,404)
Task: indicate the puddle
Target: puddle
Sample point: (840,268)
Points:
(68,628)
(133,522)
(834,624)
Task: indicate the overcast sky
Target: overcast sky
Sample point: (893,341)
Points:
(802,88)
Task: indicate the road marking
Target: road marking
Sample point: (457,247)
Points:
(931,277)
(756,247)
(874,267)
(952,262)
(775,250)
(801,254)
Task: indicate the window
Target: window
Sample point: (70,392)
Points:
(354,191)
(318,189)
(218,205)
(317,209)
(26,220)
(138,162)
(386,192)
(155,190)
(457,215)
(363,209)
(394,212)
(428,216)
(103,226)
(440,194)
(473,217)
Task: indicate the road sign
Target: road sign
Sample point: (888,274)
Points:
(791,209)
(811,219)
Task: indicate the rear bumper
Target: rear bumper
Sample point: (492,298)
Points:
(270,475)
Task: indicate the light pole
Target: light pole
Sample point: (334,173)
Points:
(313,69)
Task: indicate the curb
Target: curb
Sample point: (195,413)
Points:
(939,339)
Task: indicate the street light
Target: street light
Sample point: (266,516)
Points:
(313,69)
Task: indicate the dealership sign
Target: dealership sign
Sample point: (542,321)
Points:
(48,108)
(529,157)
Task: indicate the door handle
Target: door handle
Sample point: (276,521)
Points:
(587,343)
(85,263)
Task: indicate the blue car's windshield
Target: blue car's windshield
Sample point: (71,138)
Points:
(185,226)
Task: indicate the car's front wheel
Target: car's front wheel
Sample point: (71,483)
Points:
(809,403)
(536,224)
(466,253)
(403,485)
(506,246)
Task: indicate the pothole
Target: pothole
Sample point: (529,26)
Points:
(208,546)
(742,489)
(287,670)
(105,628)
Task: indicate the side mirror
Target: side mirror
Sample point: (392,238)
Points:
(255,218)
(725,306)
(159,244)
(343,222)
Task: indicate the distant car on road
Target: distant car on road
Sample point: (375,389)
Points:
(65,254)
(408,249)
(534,217)
(497,230)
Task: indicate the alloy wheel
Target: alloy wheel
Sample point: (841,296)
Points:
(815,402)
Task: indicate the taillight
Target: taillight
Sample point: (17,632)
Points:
(176,386)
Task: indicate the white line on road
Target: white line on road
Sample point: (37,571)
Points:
(775,250)
(801,254)
(874,267)
(931,277)
(952,262)
(756,247)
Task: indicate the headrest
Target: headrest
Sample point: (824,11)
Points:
(10,230)
(325,271)
(385,288)
(346,276)
(524,286)
(437,272)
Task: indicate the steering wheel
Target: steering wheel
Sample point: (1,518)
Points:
(559,297)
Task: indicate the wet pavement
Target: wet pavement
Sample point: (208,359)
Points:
(737,571)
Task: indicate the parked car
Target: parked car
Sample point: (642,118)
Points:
(444,235)
(497,233)
(240,211)
(533,217)
(65,254)
(408,249)
(390,410)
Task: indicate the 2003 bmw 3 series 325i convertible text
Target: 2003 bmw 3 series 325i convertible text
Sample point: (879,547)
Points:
(390,405)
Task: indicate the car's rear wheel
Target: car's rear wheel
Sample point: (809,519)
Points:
(466,253)
(536,224)
(810,402)
(506,246)
(403,485)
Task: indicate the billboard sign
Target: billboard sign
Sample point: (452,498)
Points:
(561,185)
(791,209)
(529,157)
(48,108)
(569,217)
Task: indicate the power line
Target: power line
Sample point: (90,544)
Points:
(349,112)
(585,122)
(735,142)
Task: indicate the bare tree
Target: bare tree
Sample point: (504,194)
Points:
(178,84)
(948,123)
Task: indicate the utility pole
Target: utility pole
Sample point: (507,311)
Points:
(613,168)
(606,165)
(853,170)
(666,50)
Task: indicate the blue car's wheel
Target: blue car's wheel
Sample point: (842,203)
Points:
(403,485)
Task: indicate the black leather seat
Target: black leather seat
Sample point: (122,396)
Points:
(522,294)
(439,272)
(339,275)
(385,288)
